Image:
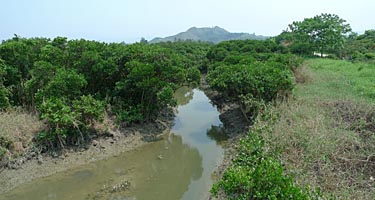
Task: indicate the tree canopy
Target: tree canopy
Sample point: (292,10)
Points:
(322,33)
(70,83)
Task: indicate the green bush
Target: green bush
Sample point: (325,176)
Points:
(262,80)
(129,115)
(165,97)
(256,175)
(370,55)
(261,69)
(69,123)
(60,119)
(65,83)
(89,110)
(70,82)
(4,100)
(193,75)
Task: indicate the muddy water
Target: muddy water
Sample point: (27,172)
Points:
(177,167)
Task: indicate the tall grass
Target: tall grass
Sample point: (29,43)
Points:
(325,134)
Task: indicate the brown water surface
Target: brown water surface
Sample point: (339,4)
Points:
(177,167)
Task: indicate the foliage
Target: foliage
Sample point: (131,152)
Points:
(129,115)
(4,93)
(360,47)
(256,174)
(4,142)
(193,75)
(89,109)
(144,85)
(322,33)
(60,118)
(70,82)
(65,83)
(261,70)
(69,120)
(4,101)
(262,80)
(252,106)
(194,53)
(255,73)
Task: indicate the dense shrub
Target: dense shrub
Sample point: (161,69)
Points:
(262,80)
(194,53)
(60,118)
(89,110)
(360,47)
(70,82)
(4,101)
(69,122)
(262,69)
(255,174)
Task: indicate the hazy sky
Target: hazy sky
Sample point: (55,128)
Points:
(129,20)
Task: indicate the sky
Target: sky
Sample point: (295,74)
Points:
(129,20)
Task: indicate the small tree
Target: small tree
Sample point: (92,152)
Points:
(322,32)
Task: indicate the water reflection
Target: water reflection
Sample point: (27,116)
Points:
(177,167)
(192,122)
(183,95)
(160,170)
(217,134)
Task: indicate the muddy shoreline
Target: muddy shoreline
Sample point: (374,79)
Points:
(34,166)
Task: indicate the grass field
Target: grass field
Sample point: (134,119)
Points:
(338,80)
(323,136)
(326,132)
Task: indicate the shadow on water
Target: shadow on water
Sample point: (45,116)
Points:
(183,95)
(217,133)
(177,167)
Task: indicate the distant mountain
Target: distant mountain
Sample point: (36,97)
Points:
(215,35)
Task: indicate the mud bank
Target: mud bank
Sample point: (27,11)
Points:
(34,166)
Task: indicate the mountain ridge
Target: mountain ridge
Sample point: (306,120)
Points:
(208,34)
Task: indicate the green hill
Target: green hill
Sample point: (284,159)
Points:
(214,35)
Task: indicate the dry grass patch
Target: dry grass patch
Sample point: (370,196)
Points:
(17,129)
(358,117)
(321,154)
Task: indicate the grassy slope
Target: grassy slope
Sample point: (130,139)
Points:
(326,132)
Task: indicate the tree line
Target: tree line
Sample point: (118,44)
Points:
(70,83)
